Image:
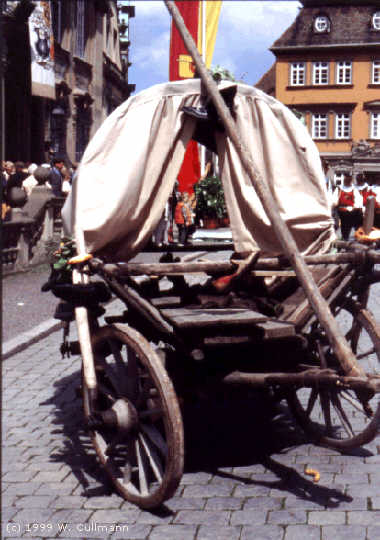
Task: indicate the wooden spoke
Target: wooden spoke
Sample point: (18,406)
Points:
(342,415)
(352,400)
(132,375)
(153,458)
(142,468)
(112,377)
(365,354)
(151,412)
(156,438)
(120,366)
(311,401)
(325,405)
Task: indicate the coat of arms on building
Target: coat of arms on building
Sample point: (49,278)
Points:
(42,50)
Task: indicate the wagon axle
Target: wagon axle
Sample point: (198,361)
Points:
(122,417)
(308,378)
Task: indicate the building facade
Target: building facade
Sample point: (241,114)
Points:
(90,76)
(327,71)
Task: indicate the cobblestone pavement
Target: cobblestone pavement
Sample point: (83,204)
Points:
(244,475)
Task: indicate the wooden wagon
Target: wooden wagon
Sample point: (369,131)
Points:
(287,311)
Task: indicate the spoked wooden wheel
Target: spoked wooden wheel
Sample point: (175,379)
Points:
(342,418)
(135,423)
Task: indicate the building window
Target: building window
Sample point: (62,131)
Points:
(376,20)
(321,24)
(80,42)
(320,73)
(319,126)
(342,126)
(339,178)
(58,125)
(376,72)
(83,126)
(297,73)
(344,72)
(375,125)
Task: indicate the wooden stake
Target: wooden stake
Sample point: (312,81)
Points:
(337,340)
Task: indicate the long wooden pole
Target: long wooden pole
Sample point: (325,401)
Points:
(214,267)
(337,340)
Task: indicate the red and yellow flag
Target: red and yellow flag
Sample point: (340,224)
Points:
(201,19)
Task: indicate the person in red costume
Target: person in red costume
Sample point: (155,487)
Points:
(376,192)
(183,218)
(349,203)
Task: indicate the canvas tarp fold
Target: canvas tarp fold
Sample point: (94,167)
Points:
(129,168)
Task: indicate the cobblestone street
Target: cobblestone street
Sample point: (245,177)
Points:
(244,476)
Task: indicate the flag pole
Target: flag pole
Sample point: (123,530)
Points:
(203,30)
(336,338)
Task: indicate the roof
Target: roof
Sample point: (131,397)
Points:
(267,83)
(350,25)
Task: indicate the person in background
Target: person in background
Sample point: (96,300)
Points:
(183,218)
(364,189)
(160,235)
(173,200)
(193,206)
(30,182)
(349,204)
(16,179)
(5,208)
(66,181)
(376,191)
(56,179)
(8,169)
(330,191)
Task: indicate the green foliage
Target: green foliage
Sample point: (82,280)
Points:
(219,73)
(210,198)
(61,253)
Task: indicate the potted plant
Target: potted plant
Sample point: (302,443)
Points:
(211,205)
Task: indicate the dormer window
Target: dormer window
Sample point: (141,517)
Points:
(376,20)
(321,24)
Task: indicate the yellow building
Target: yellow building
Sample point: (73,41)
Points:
(328,71)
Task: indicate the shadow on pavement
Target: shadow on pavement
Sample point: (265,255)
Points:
(234,428)
(247,428)
(76,449)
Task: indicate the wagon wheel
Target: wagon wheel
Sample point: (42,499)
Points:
(135,423)
(335,417)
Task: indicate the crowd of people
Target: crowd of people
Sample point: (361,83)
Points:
(20,179)
(349,200)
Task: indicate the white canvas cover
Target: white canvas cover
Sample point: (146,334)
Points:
(129,168)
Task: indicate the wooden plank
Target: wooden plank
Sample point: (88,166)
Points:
(166,301)
(277,329)
(271,330)
(197,317)
(273,273)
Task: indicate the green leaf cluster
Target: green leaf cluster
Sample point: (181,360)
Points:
(219,73)
(210,198)
(63,254)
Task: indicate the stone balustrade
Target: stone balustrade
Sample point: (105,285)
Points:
(30,232)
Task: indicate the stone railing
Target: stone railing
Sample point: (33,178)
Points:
(28,235)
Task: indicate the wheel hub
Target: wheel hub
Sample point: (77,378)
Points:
(122,416)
